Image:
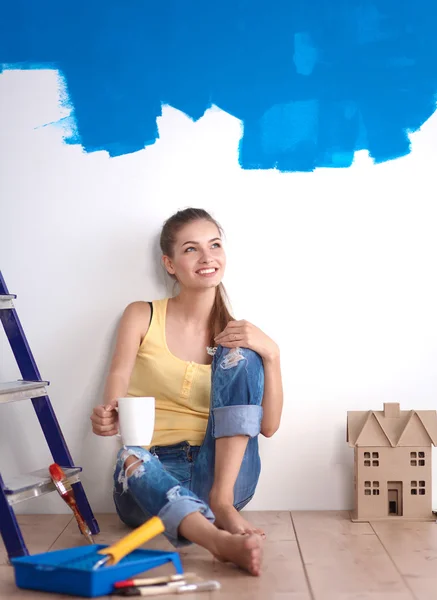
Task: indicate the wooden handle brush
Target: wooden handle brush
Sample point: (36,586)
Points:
(65,490)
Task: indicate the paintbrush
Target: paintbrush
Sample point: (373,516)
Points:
(153,580)
(65,490)
(176,587)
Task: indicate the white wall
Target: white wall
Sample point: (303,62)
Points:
(338,266)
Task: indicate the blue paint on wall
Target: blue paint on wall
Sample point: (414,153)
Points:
(305,54)
(312,81)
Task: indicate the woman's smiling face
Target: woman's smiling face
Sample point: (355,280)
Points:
(198,259)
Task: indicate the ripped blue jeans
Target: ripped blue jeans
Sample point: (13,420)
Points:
(174,481)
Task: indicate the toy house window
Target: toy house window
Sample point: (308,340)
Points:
(371,487)
(414,461)
(375,459)
(418,489)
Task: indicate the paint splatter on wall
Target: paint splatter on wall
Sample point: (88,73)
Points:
(311,82)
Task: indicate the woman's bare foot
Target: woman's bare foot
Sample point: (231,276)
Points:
(228,518)
(245,551)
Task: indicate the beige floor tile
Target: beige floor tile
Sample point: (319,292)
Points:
(413,549)
(278,524)
(345,560)
(39,532)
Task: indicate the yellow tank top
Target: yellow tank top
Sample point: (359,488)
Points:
(181,389)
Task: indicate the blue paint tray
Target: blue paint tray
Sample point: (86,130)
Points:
(51,571)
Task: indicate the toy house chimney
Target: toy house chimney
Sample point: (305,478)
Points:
(392,410)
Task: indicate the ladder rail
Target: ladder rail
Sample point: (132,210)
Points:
(9,528)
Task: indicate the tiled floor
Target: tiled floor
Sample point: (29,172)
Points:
(308,556)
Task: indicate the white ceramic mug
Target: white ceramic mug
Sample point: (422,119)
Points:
(136,417)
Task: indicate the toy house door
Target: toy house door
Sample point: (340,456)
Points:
(394,496)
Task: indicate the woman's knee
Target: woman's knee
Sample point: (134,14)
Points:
(228,358)
(128,454)
(131,461)
(237,378)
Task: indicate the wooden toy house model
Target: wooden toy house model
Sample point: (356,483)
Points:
(392,466)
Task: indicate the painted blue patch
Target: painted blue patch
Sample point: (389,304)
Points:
(291,127)
(305,53)
(312,82)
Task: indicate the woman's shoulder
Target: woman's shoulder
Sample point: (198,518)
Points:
(136,318)
(138,307)
(138,312)
(141,310)
(144,305)
(138,315)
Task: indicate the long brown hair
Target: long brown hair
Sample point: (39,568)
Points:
(220,314)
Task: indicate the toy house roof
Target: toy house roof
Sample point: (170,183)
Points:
(392,427)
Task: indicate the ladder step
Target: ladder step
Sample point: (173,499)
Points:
(37,483)
(6,301)
(11,391)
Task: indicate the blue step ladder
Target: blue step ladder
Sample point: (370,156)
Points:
(39,482)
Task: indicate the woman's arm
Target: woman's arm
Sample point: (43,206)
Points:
(273,396)
(133,327)
(245,335)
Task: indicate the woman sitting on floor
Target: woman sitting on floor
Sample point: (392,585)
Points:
(203,465)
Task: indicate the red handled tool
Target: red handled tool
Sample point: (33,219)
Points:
(65,490)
